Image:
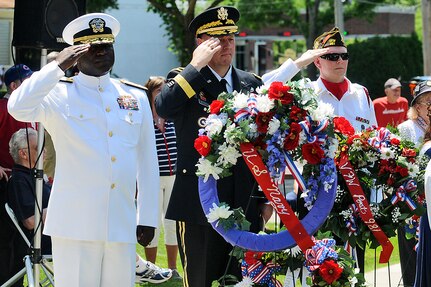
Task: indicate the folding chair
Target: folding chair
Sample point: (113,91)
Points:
(45,263)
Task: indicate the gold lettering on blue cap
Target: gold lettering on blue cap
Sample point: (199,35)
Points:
(97,24)
(222,13)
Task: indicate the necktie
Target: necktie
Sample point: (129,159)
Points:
(223,83)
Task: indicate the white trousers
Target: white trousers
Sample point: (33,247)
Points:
(80,263)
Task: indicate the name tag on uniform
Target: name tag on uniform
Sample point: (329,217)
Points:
(202,100)
(127,102)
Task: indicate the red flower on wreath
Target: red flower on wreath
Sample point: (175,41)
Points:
(342,125)
(297,114)
(312,152)
(279,91)
(408,152)
(330,271)
(262,121)
(252,257)
(292,139)
(203,145)
(216,106)
(404,172)
(395,141)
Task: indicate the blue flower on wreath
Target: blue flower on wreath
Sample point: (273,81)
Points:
(276,162)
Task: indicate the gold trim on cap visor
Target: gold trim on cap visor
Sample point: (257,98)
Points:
(108,38)
(215,24)
(231,29)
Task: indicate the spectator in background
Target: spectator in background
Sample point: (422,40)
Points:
(22,195)
(13,78)
(423,274)
(166,144)
(414,130)
(392,108)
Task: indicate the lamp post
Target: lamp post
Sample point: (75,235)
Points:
(338,13)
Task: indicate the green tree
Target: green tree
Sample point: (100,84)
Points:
(101,5)
(176,16)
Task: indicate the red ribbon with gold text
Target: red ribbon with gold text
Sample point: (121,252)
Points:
(364,210)
(273,194)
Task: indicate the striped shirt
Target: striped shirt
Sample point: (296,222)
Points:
(166,145)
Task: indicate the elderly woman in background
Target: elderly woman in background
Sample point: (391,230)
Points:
(414,128)
(423,262)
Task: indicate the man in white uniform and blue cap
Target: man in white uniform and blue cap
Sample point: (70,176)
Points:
(103,134)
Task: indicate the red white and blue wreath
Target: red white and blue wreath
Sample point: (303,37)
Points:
(271,128)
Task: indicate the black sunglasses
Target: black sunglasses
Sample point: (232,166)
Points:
(335,56)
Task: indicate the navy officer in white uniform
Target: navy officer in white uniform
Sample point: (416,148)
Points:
(103,133)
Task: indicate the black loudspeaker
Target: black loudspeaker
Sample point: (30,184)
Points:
(40,23)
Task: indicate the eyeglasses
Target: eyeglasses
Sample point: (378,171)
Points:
(335,56)
(425,103)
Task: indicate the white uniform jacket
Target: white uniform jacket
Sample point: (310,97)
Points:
(103,135)
(355,105)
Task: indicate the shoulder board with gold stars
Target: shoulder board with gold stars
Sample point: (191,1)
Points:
(131,84)
(66,80)
(256,76)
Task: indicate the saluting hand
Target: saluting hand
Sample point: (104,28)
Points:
(70,55)
(144,234)
(309,56)
(203,53)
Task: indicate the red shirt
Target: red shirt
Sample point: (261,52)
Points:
(387,113)
(8,126)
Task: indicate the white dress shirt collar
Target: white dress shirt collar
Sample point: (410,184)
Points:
(227,77)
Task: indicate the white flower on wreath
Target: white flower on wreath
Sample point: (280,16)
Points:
(262,90)
(323,111)
(217,212)
(253,128)
(264,104)
(273,125)
(214,125)
(372,157)
(229,134)
(240,101)
(207,168)
(307,91)
(387,153)
(246,282)
(229,154)
(413,169)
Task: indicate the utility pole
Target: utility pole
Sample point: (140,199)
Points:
(339,17)
(426,33)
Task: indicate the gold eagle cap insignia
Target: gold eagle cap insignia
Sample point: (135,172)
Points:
(222,13)
(98,25)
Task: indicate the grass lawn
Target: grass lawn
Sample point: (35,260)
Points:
(372,256)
